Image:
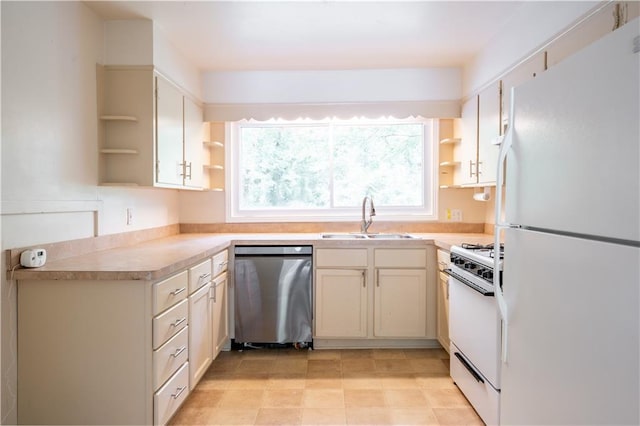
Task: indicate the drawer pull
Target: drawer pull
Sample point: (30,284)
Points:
(204,276)
(178,393)
(178,322)
(177,291)
(223,264)
(178,351)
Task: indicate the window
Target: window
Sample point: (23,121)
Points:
(309,170)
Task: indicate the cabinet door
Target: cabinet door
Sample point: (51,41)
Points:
(443,310)
(489,123)
(340,303)
(169,133)
(199,334)
(400,303)
(193,137)
(466,152)
(220,329)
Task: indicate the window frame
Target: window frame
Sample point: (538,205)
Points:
(427,212)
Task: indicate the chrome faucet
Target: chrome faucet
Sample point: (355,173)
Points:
(365,224)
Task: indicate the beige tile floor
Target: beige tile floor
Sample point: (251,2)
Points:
(328,387)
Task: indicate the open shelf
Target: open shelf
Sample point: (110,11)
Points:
(450,141)
(118,151)
(213,167)
(118,118)
(449,164)
(215,144)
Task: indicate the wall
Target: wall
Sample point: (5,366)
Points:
(49,149)
(412,84)
(533,26)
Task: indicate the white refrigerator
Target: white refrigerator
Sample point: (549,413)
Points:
(571,275)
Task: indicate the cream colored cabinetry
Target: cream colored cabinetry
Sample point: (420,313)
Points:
(448,130)
(466,152)
(400,293)
(477,152)
(214,170)
(112,351)
(372,293)
(200,321)
(150,134)
(442,296)
(219,301)
(340,294)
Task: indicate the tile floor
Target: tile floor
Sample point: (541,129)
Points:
(328,387)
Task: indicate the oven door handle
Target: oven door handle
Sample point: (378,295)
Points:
(469,368)
(468,283)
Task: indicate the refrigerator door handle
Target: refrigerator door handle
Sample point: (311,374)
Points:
(504,148)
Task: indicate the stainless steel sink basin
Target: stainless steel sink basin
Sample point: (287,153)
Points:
(345,236)
(370,236)
(391,236)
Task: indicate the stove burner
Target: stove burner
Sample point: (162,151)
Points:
(488,248)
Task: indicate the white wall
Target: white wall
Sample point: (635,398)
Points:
(376,85)
(533,26)
(50,150)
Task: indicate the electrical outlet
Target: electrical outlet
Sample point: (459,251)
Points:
(456,215)
(129,216)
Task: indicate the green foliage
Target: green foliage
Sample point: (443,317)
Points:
(300,166)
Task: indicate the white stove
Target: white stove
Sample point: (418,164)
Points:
(475,327)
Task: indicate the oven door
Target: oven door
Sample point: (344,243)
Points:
(474,327)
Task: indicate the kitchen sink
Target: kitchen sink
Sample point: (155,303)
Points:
(370,236)
(345,236)
(391,236)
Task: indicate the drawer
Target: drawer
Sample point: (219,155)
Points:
(220,262)
(169,357)
(169,323)
(443,259)
(170,396)
(169,292)
(199,275)
(341,258)
(400,258)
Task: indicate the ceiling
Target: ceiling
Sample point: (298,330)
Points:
(320,35)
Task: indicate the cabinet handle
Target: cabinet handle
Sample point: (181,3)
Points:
(447,289)
(471,174)
(478,172)
(178,393)
(178,322)
(204,276)
(178,351)
(364,280)
(223,264)
(187,176)
(377,277)
(177,291)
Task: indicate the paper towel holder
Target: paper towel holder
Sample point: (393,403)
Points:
(483,196)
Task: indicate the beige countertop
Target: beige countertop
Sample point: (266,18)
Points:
(157,258)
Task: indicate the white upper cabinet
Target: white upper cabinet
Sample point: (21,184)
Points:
(169,137)
(150,132)
(489,129)
(466,152)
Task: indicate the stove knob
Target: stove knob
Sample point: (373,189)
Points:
(469,265)
(458,261)
(480,271)
(488,275)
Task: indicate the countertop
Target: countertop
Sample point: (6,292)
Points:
(157,258)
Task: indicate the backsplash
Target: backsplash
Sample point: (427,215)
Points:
(318,227)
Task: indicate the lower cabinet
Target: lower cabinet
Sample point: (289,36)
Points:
(341,303)
(220,313)
(368,293)
(443,310)
(401,303)
(117,351)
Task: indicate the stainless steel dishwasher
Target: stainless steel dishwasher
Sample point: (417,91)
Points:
(273,294)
